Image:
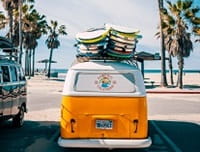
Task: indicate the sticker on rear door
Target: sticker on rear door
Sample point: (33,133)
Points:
(105,82)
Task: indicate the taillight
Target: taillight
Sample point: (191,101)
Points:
(72,122)
(135,123)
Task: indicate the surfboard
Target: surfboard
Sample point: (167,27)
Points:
(121,49)
(83,51)
(118,39)
(122,29)
(125,36)
(93,36)
(111,41)
(123,45)
(119,54)
(92,46)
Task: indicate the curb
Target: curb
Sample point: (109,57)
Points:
(172,92)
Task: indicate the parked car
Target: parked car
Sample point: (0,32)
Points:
(12,92)
(104,105)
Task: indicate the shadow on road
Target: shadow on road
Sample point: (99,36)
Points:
(184,135)
(192,86)
(41,136)
(22,139)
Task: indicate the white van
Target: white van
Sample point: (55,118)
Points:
(104,106)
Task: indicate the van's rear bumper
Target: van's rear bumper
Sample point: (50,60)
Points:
(105,143)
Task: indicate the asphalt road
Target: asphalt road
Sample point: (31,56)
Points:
(167,136)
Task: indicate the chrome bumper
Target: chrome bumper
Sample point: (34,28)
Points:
(104,143)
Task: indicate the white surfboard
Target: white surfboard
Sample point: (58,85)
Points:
(122,29)
(92,36)
(93,46)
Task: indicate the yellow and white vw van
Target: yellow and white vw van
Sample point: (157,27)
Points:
(104,106)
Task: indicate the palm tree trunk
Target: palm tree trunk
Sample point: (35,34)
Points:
(33,63)
(162,52)
(20,31)
(50,59)
(29,63)
(180,72)
(171,69)
(26,62)
(10,14)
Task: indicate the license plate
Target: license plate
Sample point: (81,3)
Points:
(104,124)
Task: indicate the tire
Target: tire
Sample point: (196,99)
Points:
(18,120)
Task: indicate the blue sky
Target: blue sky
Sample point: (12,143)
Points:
(79,15)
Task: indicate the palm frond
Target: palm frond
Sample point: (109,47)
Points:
(179,5)
(196,30)
(174,10)
(169,3)
(188,14)
(25,9)
(157,35)
(62,30)
(164,11)
(196,20)
(187,4)
(31,7)
(195,10)
(168,19)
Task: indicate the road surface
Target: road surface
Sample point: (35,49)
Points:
(173,126)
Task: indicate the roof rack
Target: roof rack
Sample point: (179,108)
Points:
(7,57)
(84,58)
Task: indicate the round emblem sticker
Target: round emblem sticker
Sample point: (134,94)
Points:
(105,82)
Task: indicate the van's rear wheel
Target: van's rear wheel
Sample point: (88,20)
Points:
(18,120)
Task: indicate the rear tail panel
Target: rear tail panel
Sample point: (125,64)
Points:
(104,117)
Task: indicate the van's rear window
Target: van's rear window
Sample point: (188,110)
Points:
(105,82)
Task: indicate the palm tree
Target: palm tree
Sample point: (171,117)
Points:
(170,56)
(28,46)
(171,69)
(37,33)
(11,6)
(163,64)
(52,41)
(20,11)
(179,22)
(34,25)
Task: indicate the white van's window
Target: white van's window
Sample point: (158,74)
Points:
(13,72)
(105,82)
(5,74)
